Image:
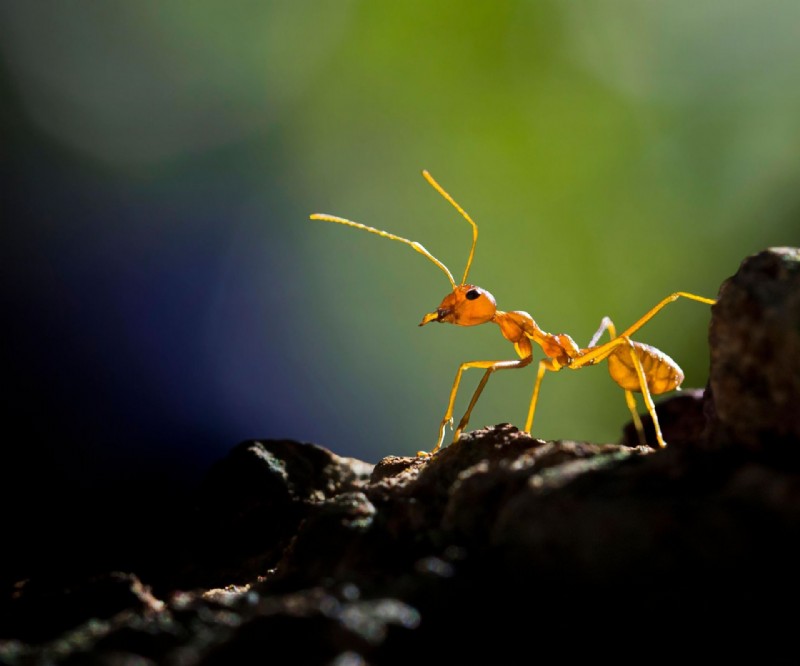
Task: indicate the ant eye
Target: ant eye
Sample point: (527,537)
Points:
(472,294)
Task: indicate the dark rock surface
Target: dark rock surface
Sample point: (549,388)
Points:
(755,354)
(500,549)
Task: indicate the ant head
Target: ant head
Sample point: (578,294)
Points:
(466,305)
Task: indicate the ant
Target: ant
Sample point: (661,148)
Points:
(633,365)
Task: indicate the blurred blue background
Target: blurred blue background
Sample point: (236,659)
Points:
(165,296)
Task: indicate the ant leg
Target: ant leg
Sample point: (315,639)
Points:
(666,301)
(544,365)
(605,325)
(648,399)
(465,419)
(500,365)
(637,420)
(597,354)
(448,415)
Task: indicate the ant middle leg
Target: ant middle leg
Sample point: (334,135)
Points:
(544,365)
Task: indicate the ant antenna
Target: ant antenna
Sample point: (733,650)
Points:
(442,191)
(385,234)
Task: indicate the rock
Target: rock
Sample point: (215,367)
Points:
(500,548)
(754,382)
(251,503)
(46,608)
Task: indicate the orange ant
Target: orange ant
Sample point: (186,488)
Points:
(633,365)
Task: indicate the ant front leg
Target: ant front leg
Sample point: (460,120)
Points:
(490,367)
(499,365)
(448,415)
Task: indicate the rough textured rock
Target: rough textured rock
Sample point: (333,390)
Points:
(257,496)
(500,549)
(755,353)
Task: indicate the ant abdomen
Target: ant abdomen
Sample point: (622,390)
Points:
(661,372)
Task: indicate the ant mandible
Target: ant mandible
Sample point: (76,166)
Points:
(633,365)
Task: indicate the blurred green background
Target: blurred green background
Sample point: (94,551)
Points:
(166,296)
